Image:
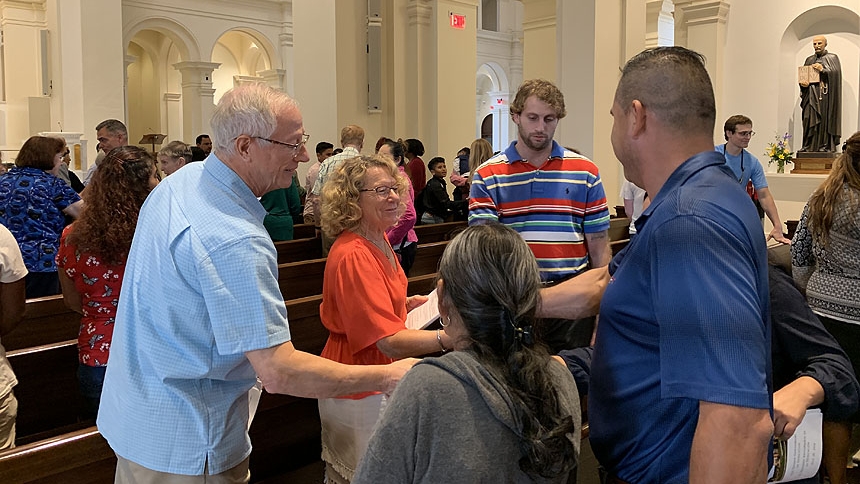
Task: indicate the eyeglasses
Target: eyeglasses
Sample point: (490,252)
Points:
(381,191)
(295,146)
(746,134)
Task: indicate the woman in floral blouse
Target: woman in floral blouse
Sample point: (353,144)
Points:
(92,258)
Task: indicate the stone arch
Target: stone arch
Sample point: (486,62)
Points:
(244,55)
(492,92)
(185,41)
(270,57)
(157,107)
(496,74)
(842,28)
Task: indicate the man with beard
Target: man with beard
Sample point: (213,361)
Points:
(821,101)
(554,198)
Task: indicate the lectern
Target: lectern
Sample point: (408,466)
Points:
(152,139)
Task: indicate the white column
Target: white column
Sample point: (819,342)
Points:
(501,117)
(198,96)
(21,23)
(315,89)
(700,25)
(173,116)
(418,70)
(540,22)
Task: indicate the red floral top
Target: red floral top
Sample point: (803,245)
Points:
(98,284)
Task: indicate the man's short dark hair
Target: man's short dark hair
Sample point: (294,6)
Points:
(197,153)
(673,84)
(324,145)
(113,126)
(414,146)
(200,139)
(435,161)
(733,122)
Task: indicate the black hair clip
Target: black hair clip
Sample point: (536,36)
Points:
(524,335)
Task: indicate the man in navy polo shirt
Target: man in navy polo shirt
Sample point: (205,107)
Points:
(680,373)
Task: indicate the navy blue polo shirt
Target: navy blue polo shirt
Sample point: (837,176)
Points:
(685,318)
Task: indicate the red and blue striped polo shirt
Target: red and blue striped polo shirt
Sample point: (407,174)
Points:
(552,207)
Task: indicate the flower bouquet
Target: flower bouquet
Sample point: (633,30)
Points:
(780,152)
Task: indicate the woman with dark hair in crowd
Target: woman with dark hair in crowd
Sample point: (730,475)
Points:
(498,409)
(33,201)
(92,258)
(825,260)
(364,302)
(402,234)
(415,168)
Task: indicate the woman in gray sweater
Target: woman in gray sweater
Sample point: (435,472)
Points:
(498,408)
(825,263)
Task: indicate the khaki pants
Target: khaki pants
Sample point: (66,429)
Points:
(127,472)
(8,414)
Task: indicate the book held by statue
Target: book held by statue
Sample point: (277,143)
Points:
(807,74)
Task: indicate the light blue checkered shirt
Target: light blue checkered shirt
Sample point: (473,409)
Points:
(200,290)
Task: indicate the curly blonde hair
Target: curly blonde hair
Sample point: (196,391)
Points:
(340,209)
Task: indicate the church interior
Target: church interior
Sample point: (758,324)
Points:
(442,71)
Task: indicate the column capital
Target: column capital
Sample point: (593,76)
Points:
(196,73)
(419,12)
(698,12)
(196,67)
(286,39)
(274,77)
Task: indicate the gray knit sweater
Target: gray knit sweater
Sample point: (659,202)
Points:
(451,421)
(831,275)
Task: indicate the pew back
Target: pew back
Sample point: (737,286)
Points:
(47,320)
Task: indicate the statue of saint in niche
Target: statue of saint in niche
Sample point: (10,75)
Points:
(820,101)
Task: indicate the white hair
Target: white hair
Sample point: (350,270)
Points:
(249,109)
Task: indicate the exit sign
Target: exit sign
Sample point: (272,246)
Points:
(458,21)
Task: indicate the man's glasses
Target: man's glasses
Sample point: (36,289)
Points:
(295,146)
(381,191)
(746,134)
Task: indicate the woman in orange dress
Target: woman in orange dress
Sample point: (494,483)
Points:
(364,300)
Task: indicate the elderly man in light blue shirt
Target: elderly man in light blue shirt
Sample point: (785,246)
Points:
(201,313)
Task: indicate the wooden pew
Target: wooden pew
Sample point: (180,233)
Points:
(304,231)
(82,457)
(47,390)
(298,250)
(427,258)
(619,228)
(285,432)
(438,232)
(305,278)
(47,320)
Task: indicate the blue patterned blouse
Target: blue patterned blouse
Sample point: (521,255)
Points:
(31,207)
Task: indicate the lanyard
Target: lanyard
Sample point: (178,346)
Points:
(742,161)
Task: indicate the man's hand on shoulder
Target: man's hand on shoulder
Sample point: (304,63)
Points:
(576,298)
(396,372)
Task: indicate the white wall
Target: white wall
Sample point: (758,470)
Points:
(765,42)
